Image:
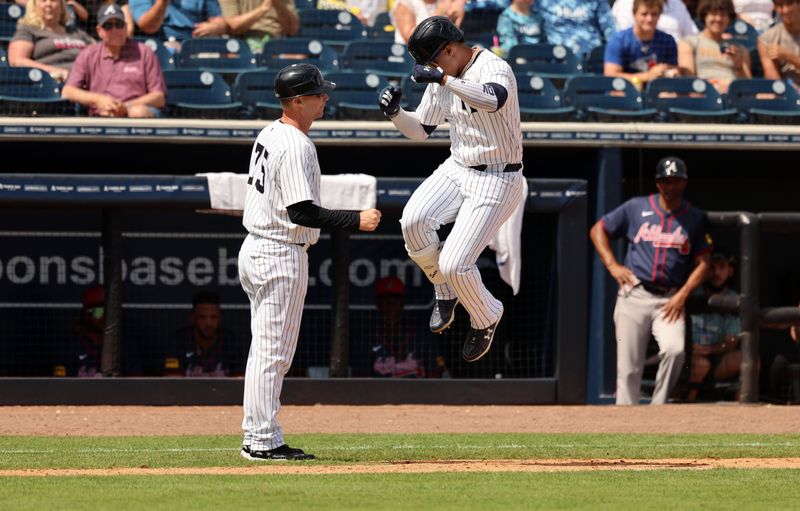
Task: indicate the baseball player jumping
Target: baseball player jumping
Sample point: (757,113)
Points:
(477,187)
(283,218)
(668,258)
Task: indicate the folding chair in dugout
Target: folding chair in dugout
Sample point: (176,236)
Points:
(606,98)
(687,100)
(541,101)
(762,101)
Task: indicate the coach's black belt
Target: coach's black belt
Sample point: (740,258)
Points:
(656,289)
(511,167)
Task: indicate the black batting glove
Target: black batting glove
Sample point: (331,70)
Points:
(389,101)
(427,74)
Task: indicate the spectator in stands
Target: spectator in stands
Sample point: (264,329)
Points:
(117,77)
(755,12)
(84,354)
(204,348)
(407,14)
(395,351)
(178,21)
(519,23)
(77,15)
(258,21)
(779,47)
(710,54)
(642,53)
(130,25)
(716,356)
(43,41)
(580,25)
(675,19)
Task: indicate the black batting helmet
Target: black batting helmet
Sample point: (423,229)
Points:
(671,166)
(430,36)
(301,80)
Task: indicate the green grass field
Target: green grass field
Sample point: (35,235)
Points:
(653,489)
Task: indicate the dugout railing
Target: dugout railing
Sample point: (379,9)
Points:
(566,198)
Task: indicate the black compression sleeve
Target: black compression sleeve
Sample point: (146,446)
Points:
(308,214)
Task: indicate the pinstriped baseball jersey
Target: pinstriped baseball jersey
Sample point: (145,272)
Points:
(478,137)
(284,170)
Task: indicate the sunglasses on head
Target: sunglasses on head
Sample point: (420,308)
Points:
(108,25)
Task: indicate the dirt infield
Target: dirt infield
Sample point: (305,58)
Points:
(216,420)
(219,420)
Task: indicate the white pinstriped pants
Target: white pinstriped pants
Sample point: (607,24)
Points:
(275,277)
(479,202)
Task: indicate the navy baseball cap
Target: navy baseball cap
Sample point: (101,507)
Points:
(110,11)
(671,166)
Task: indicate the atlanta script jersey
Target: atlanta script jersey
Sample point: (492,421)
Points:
(478,137)
(284,170)
(661,245)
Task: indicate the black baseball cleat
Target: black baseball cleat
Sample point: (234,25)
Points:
(479,341)
(282,453)
(444,312)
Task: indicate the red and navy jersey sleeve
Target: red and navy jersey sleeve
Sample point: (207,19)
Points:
(617,222)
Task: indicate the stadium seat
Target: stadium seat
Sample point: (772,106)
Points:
(279,53)
(385,58)
(27,91)
(255,90)
(762,101)
(305,4)
(547,60)
(3,58)
(743,33)
(10,13)
(412,93)
(197,93)
(165,57)
(687,100)
(540,100)
(756,69)
(218,55)
(331,27)
(594,61)
(382,28)
(356,96)
(605,98)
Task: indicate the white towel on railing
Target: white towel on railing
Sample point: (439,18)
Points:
(355,192)
(508,244)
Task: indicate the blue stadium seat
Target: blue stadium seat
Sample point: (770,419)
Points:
(540,100)
(165,57)
(305,4)
(743,33)
(762,101)
(756,69)
(255,90)
(197,93)
(385,58)
(356,96)
(382,28)
(330,26)
(27,91)
(279,53)
(10,13)
(219,55)
(594,61)
(3,58)
(547,60)
(412,93)
(687,100)
(603,98)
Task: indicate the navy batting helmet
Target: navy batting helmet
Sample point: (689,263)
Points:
(430,36)
(301,80)
(671,166)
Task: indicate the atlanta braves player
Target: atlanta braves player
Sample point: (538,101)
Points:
(282,216)
(477,187)
(666,236)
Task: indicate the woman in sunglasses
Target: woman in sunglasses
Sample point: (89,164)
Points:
(43,41)
(117,77)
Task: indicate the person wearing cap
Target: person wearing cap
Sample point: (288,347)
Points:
(117,77)
(667,259)
(283,217)
(395,350)
(716,356)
